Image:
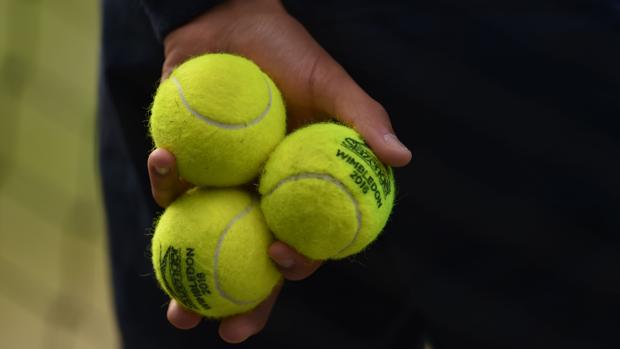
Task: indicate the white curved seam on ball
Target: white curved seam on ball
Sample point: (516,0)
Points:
(216,257)
(220,124)
(339,184)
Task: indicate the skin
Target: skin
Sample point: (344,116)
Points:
(314,86)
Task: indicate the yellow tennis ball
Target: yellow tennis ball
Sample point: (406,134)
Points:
(221,116)
(325,193)
(209,252)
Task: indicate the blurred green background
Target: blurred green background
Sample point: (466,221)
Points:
(54,280)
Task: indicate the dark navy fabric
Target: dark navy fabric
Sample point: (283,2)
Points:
(505,232)
(166,15)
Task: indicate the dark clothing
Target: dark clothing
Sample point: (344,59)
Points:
(166,15)
(506,229)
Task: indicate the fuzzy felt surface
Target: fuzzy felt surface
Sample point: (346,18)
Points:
(325,193)
(209,252)
(221,116)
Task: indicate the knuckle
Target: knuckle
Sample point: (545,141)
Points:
(376,109)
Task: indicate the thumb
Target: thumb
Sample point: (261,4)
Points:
(336,93)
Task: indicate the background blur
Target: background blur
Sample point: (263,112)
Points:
(54,282)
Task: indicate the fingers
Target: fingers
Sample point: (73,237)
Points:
(233,329)
(335,93)
(292,265)
(165,182)
(371,120)
(238,328)
(182,318)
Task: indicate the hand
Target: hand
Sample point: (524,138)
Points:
(315,88)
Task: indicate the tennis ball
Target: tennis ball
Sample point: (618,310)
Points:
(221,117)
(209,252)
(325,193)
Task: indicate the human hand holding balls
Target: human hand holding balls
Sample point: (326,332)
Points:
(312,84)
(324,192)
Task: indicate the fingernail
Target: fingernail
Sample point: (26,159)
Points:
(392,140)
(285,262)
(162,171)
